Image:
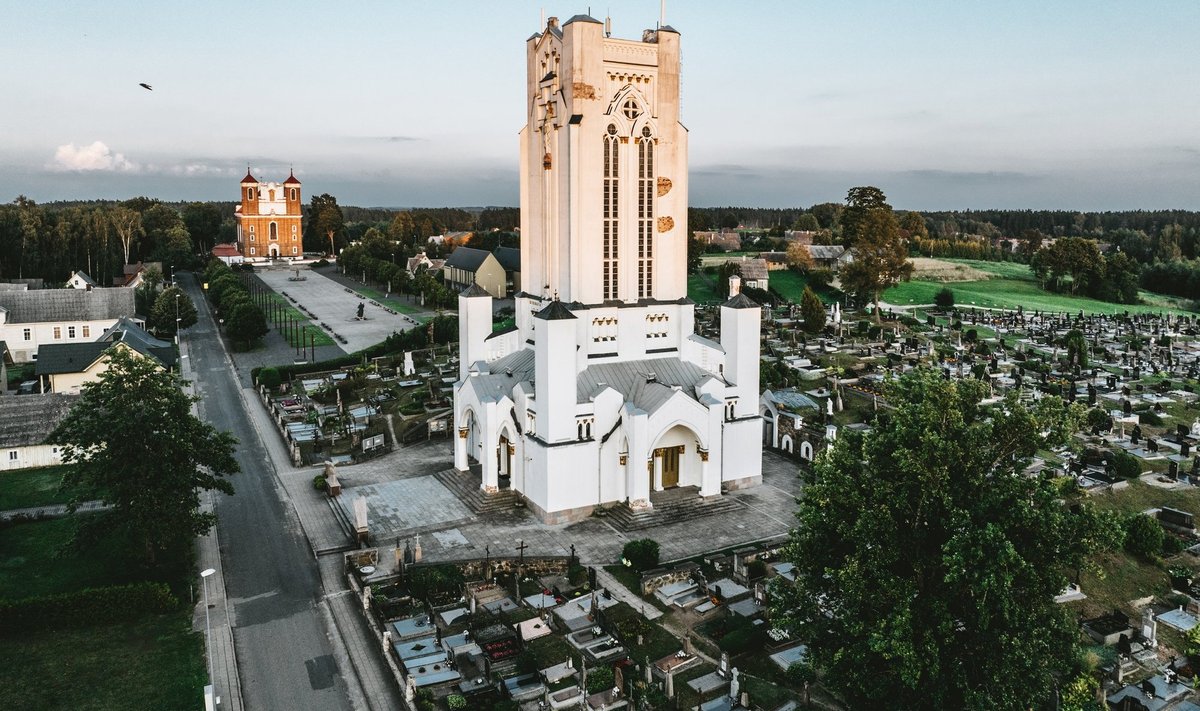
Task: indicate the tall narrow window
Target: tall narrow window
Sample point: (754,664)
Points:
(611,189)
(274,231)
(645,215)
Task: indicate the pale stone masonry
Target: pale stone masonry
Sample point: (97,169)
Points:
(602,393)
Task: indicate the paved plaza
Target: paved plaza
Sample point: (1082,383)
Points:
(407,505)
(334,305)
(404,499)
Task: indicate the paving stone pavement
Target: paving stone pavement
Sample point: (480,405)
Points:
(404,505)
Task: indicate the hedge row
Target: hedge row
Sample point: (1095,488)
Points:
(93,606)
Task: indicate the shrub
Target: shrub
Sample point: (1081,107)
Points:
(269,378)
(642,554)
(456,701)
(1150,417)
(944,299)
(323,262)
(1143,536)
(82,608)
(1171,545)
(742,639)
(319,482)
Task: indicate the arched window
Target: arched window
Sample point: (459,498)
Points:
(274,231)
(249,193)
(611,206)
(293,193)
(646,214)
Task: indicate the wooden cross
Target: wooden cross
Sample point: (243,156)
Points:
(521,552)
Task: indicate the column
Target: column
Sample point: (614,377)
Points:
(710,485)
(657,472)
(460,449)
(491,466)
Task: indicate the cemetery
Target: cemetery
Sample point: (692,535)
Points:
(504,630)
(533,632)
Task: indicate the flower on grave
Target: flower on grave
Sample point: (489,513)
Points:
(625,562)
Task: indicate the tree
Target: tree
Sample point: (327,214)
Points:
(914,224)
(128,225)
(944,299)
(133,441)
(812,310)
(880,257)
(203,223)
(806,222)
(923,544)
(325,223)
(695,249)
(1143,536)
(246,323)
(171,304)
(799,257)
(1077,349)
(724,272)
(860,202)
(1125,465)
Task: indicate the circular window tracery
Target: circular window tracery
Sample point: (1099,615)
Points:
(631,109)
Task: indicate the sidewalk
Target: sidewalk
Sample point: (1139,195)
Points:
(217,626)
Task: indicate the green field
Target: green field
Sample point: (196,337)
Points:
(790,286)
(155,663)
(1015,286)
(26,488)
(35,560)
(701,289)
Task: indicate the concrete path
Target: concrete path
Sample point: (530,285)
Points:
(624,594)
(55,511)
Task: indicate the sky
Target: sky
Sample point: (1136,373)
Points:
(1081,105)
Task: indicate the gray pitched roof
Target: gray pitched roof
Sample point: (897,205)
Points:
(753,268)
(741,301)
(55,358)
(555,311)
(582,18)
(85,278)
(646,383)
(509,258)
(27,420)
(139,339)
(57,305)
(474,290)
(826,251)
(467,258)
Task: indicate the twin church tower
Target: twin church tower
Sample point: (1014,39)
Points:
(602,392)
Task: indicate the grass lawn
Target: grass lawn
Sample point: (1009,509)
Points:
(26,488)
(157,663)
(1015,286)
(656,641)
(391,302)
(1139,497)
(319,337)
(701,289)
(33,561)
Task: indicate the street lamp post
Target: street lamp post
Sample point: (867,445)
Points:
(207,628)
(177,295)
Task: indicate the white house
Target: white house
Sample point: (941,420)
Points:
(603,393)
(30,318)
(26,421)
(80,280)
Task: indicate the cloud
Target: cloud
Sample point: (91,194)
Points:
(94,157)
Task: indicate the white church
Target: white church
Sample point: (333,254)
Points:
(603,393)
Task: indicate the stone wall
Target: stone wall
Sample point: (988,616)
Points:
(533,566)
(654,579)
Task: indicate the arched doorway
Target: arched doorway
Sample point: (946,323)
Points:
(504,462)
(675,460)
(273,251)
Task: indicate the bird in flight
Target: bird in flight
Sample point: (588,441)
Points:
(146,86)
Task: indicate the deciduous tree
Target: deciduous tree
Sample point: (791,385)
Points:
(799,257)
(172,303)
(132,440)
(880,257)
(923,544)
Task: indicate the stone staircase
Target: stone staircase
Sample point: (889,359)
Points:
(466,488)
(671,506)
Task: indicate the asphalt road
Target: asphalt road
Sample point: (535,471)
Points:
(285,656)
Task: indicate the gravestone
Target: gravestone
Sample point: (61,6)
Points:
(723,666)
(1149,628)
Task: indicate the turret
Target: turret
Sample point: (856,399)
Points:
(291,189)
(740,339)
(474,326)
(249,194)
(555,372)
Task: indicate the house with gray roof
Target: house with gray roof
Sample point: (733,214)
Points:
(67,367)
(830,256)
(510,259)
(34,317)
(26,422)
(466,266)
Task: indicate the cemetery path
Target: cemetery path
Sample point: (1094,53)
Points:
(624,594)
(281,629)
